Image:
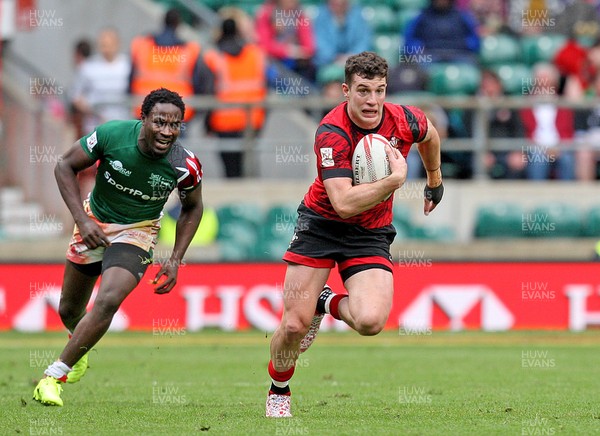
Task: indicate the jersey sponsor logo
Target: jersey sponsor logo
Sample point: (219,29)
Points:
(327,157)
(92,141)
(118,166)
(156,195)
(160,183)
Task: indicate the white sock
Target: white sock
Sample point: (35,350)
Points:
(57,370)
(280,384)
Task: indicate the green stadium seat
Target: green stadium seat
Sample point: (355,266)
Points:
(411,4)
(387,46)
(553,220)
(592,222)
(499,220)
(402,218)
(380,17)
(242,212)
(405,16)
(453,79)
(280,222)
(230,251)
(514,77)
(499,49)
(270,249)
(432,233)
(330,73)
(541,48)
(244,234)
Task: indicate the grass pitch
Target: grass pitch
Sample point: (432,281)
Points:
(472,383)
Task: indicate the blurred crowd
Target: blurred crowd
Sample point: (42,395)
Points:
(298,48)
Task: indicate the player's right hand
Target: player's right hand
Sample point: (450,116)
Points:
(398,166)
(92,235)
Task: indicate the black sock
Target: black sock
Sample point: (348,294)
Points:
(279,391)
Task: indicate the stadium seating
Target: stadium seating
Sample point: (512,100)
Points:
(453,79)
(592,222)
(404,17)
(499,220)
(380,17)
(513,76)
(387,46)
(330,73)
(553,220)
(432,233)
(499,49)
(541,48)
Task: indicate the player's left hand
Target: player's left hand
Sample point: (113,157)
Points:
(169,269)
(434,190)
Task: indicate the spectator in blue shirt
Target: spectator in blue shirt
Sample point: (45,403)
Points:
(443,33)
(340,31)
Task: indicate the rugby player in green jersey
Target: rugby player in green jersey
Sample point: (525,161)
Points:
(140,163)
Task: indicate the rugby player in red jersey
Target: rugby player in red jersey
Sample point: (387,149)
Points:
(348,225)
(140,162)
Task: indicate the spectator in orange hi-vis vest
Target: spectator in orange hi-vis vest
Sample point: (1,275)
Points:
(236,72)
(165,60)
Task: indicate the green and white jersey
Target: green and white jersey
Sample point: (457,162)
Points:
(131,186)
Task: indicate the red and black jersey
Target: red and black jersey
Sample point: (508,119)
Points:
(335,141)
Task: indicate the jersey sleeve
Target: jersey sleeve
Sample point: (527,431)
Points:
(416,122)
(332,147)
(93,143)
(189,172)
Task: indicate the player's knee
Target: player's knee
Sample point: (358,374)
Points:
(69,313)
(108,304)
(369,325)
(295,329)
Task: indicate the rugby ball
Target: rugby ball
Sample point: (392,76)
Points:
(370,163)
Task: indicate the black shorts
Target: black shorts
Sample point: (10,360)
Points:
(319,242)
(127,256)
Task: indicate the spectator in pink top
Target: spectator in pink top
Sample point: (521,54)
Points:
(285,33)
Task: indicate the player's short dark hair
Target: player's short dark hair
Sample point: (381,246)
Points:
(162,95)
(366,64)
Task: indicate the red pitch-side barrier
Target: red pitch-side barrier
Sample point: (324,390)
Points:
(428,296)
